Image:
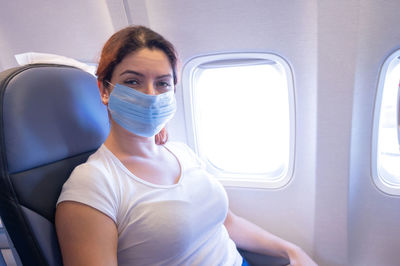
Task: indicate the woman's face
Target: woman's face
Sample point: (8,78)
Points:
(145,70)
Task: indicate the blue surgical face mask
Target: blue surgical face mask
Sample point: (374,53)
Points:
(141,114)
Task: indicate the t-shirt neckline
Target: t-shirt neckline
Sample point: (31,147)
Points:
(129,173)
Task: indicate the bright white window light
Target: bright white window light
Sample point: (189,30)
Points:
(242,112)
(386,148)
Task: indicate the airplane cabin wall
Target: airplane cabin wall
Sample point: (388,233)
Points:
(76,29)
(374,232)
(337,44)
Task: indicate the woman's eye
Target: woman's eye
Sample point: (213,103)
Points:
(163,84)
(131,82)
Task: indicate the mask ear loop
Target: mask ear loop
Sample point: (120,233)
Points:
(110,83)
(105,91)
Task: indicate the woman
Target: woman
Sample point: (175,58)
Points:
(139,200)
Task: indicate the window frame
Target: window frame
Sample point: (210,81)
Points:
(380,181)
(236,179)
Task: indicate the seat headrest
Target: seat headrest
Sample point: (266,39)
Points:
(50,112)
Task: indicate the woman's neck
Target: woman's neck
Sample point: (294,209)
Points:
(125,144)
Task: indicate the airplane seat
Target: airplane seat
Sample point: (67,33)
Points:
(52,119)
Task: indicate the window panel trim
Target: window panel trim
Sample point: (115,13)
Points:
(225,60)
(380,181)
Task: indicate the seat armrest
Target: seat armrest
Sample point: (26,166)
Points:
(255,259)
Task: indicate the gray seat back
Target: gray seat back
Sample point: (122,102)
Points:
(52,119)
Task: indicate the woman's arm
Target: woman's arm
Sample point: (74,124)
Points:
(251,237)
(86,235)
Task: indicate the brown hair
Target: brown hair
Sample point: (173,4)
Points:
(126,41)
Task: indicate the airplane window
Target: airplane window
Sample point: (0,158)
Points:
(242,117)
(386,147)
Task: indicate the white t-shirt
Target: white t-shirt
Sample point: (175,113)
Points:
(179,224)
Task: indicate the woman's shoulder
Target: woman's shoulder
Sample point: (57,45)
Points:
(177,145)
(180,147)
(90,183)
(94,168)
(184,153)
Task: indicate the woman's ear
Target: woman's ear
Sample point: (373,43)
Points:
(104,92)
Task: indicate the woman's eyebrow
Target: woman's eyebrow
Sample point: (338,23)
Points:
(132,72)
(142,75)
(164,76)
